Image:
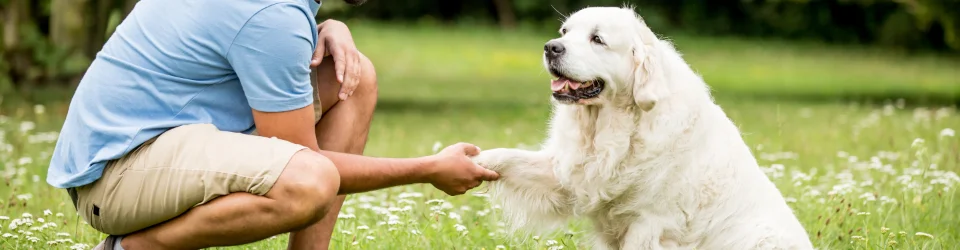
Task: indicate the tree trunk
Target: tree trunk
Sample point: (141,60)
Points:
(128,7)
(67,24)
(12,17)
(506,16)
(97,18)
(18,55)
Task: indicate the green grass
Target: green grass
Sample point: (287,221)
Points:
(854,171)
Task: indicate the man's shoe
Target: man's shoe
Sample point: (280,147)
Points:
(108,243)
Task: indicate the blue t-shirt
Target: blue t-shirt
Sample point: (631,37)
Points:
(178,62)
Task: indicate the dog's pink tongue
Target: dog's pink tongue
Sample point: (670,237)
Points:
(558,84)
(574,85)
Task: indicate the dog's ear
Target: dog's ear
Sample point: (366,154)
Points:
(648,83)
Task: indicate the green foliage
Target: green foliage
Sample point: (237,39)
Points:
(907,24)
(855,174)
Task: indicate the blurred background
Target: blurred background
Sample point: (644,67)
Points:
(49,43)
(823,91)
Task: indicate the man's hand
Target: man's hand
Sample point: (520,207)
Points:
(334,39)
(453,172)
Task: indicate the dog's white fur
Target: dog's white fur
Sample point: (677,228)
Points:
(652,161)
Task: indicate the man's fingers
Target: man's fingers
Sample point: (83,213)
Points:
(339,67)
(339,64)
(351,78)
(489,175)
(318,54)
(357,68)
(470,149)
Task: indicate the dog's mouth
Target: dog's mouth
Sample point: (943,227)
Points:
(570,90)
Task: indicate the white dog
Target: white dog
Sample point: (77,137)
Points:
(637,146)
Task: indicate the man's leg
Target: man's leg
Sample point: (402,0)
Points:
(248,188)
(343,127)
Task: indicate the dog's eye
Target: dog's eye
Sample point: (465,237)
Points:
(563,31)
(597,39)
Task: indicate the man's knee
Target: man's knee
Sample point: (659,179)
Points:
(368,79)
(308,186)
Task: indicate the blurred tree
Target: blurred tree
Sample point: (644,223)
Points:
(53,40)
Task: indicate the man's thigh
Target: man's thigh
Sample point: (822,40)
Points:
(185,167)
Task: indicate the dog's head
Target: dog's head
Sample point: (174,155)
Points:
(604,55)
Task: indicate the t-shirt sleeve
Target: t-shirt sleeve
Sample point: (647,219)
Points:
(271,57)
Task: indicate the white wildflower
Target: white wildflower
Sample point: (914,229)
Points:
(947,132)
(24,161)
(24,197)
(410,195)
(79,246)
(47,212)
(415,232)
(62,234)
(868,196)
(4,217)
(26,126)
(346,232)
(551,242)
(366,199)
(59,214)
(26,215)
(455,216)
(853,159)
(917,142)
(370,237)
(501,247)
(39,109)
(885,200)
(461,228)
(363,227)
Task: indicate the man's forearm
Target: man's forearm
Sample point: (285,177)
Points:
(363,173)
(358,173)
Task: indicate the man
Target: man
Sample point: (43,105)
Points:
(157,149)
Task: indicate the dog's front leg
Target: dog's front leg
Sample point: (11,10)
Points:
(530,194)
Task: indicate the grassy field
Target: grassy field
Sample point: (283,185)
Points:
(862,169)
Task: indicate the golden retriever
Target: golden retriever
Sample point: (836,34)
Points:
(637,146)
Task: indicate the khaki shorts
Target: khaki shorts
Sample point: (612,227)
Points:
(182,168)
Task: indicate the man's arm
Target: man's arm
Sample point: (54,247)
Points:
(451,170)
(271,57)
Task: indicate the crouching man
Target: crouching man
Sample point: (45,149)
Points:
(222,122)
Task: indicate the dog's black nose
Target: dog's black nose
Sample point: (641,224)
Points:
(553,49)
